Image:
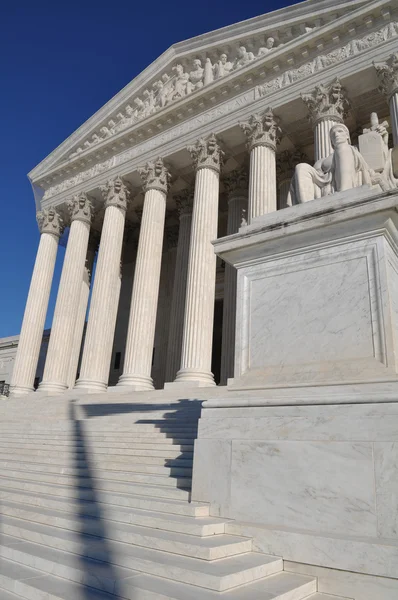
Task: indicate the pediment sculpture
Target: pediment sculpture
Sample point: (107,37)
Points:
(347,167)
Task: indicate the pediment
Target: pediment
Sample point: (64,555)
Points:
(151,102)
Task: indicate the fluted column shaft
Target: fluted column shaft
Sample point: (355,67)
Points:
(237,204)
(81,317)
(323,147)
(284,188)
(176,330)
(27,357)
(94,372)
(199,309)
(142,321)
(56,370)
(394,116)
(262,181)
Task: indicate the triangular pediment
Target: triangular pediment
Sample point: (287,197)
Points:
(150,103)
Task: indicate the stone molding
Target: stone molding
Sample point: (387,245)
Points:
(287,161)
(327,102)
(50,221)
(236,183)
(263,130)
(282,81)
(155,176)
(207,154)
(387,74)
(116,193)
(184,202)
(80,208)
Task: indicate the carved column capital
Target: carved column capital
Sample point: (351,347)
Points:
(287,161)
(116,193)
(50,221)
(236,183)
(263,130)
(387,74)
(155,176)
(327,102)
(184,202)
(80,208)
(207,154)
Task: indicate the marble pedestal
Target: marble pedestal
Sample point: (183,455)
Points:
(317,292)
(306,436)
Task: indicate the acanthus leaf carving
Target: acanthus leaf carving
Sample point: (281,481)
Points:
(155,176)
(80,208)
(206,153)
(50,221)
(116,193)
(327,102)
(237,182)
(387,74)
(184,202)
(263,130)
(287,161)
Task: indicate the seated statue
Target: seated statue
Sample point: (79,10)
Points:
(342,170)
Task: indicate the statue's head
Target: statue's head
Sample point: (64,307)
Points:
(270,43)
(129,110)
(242,52)
(339,135)
(223,58)
(197,63)
(374,120)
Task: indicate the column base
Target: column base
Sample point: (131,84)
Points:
(136,383)
(90,386)
(49,389)
(195,378)
(19,391)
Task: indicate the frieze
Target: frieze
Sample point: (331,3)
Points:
(284,80)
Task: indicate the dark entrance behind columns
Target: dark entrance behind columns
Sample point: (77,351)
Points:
(217,340)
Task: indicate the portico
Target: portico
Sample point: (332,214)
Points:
(204,141)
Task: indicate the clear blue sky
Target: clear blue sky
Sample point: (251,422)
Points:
(60,62)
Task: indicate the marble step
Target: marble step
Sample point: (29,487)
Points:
(112,517)
(56,474)
(33,585)
(48,455)
(46,450)
(88,488)
(59,466)
(117,501)
(151,427)
(77,541)
(218,575)
(145,443)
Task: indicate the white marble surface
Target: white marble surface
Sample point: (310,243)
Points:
(386,477)
(214,482)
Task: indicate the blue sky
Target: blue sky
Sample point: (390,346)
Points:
(59,63)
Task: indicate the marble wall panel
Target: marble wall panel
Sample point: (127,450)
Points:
(386,476)
(212,467)
(324,487)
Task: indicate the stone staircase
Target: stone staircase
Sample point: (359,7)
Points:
(95,504)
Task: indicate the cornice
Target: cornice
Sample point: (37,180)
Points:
(183,51)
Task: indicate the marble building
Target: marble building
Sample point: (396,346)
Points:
(238,200)
(201,142)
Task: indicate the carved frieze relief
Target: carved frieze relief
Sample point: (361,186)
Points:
(285,79)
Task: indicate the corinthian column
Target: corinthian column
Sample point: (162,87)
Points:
(184,206)
(264,135)
(144,301)
(236,185)
(23,376)
(388,76)
(56,370)
(327,105)
(97,351)
(199,308)
(81,314)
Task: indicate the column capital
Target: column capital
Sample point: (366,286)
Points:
(50,221)
(236,183)
(80,208)
(387,74)
(155,176)
(116,193)
(263,129)
(207,154)
(184,202)
(287,161)
(327,102)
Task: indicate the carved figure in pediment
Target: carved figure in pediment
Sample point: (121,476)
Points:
(149,102)
(96,138)
(343,170)
(208,75)
(269,46)
(222,67)
(196,76)
(105,132)
(160,93)
(180,82)
(244,58)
